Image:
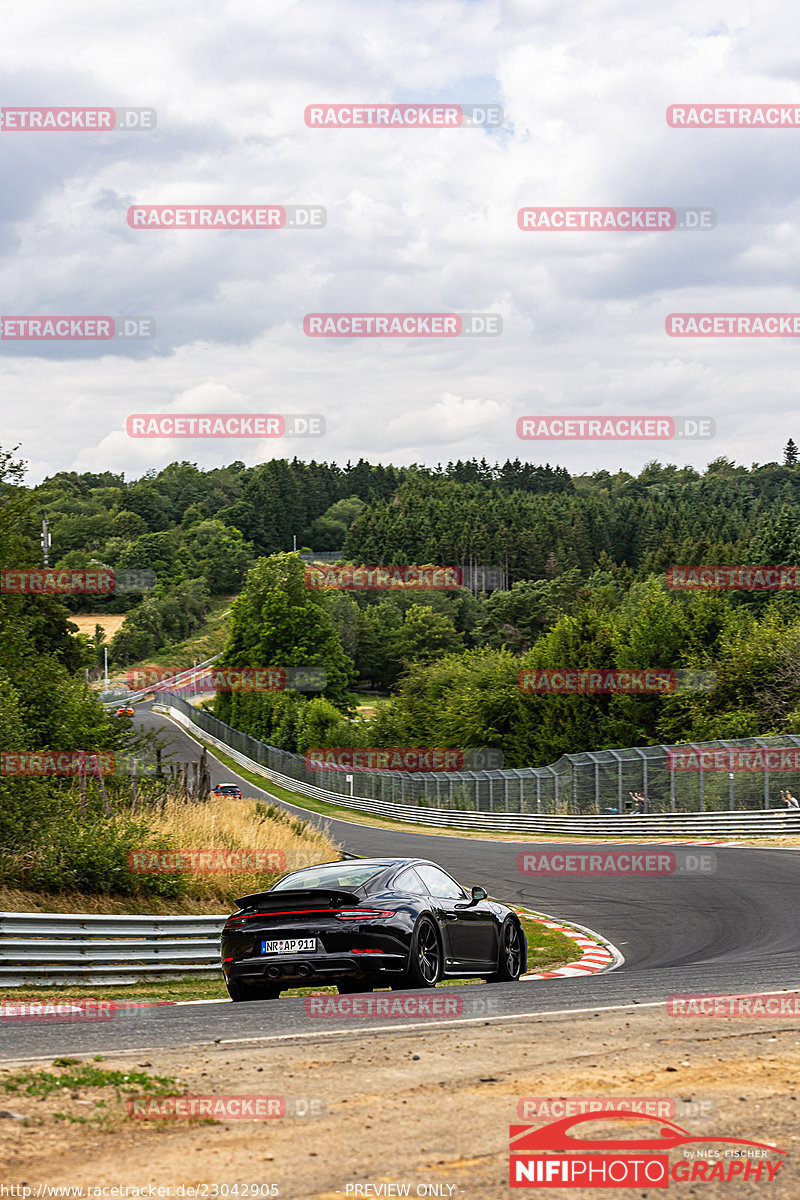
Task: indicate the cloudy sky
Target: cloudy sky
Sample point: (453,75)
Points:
(417,221)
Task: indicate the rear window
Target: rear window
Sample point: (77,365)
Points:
(343,875)
(228,787)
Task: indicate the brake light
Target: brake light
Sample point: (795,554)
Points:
(367,951)
(362,914)
(288,912)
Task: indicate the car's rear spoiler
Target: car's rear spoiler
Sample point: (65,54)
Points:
(298,897)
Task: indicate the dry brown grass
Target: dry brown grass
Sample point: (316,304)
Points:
(226,823)
(221,823)
(87,621)
(19,900)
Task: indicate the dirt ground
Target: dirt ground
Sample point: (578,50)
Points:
(429,1109)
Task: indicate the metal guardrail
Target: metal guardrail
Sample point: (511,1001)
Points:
(56,948)
(176,681)
(724,777)
(761,823)
(117,696)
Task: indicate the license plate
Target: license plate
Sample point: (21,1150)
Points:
(289,946)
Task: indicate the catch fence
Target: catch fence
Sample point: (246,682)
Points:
(742,775)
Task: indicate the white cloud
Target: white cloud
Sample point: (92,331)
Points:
(417,221)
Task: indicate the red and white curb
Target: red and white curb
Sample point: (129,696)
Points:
(597,954)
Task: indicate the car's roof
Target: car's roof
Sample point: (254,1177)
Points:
(380,864)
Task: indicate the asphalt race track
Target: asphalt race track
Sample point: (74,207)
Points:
(736,930)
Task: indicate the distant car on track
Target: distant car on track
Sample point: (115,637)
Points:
(366,923)
(228,789)
(124,712)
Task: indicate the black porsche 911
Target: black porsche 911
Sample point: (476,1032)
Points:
(366,923)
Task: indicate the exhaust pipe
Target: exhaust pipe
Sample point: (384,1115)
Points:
(304,970)
(274,973)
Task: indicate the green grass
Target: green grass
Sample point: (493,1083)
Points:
(75,1075)
(547,949)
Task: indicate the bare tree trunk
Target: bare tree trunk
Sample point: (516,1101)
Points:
(205,777)
(133,786)
(82,786)
(102,786)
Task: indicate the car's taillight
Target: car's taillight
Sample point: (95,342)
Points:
(362,914)
(232,922)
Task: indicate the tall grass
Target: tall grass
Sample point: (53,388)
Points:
(226,823)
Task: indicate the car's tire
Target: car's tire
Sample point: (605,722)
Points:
(239,991)
(349,987)
(425,958)
(509,954)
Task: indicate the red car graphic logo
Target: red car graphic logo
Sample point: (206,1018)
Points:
(527,1139)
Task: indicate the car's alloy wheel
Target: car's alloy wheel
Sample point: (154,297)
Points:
(425,965)
(509,959)
(239,991)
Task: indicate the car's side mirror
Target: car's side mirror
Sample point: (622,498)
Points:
(479,893)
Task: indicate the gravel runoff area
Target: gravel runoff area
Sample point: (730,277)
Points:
(427,1108)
